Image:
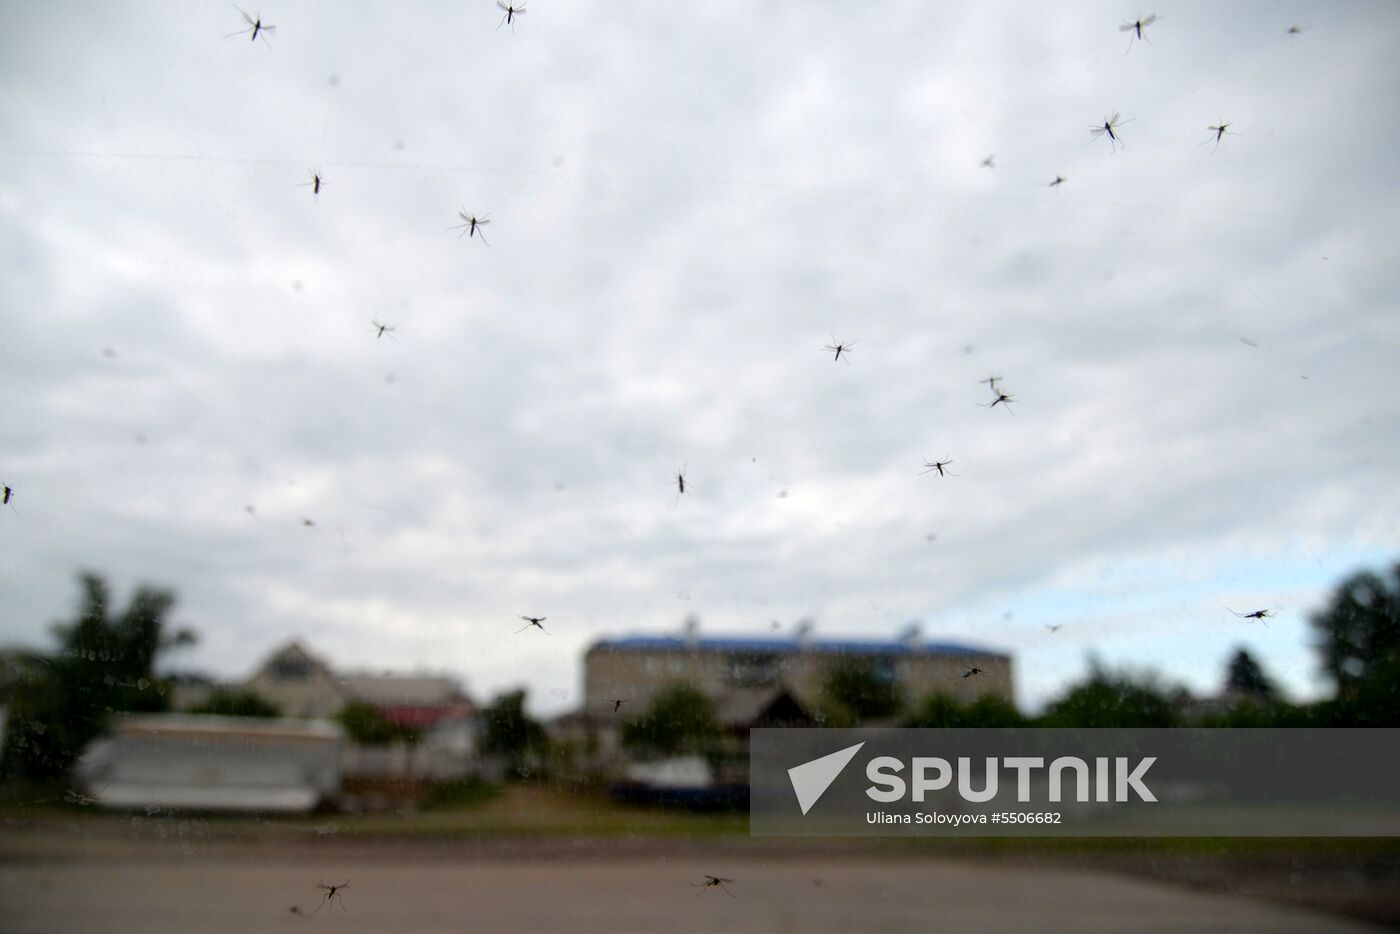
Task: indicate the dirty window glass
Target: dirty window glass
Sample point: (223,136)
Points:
(435,435)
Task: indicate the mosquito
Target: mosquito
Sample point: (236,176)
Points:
(968,673)
(680,483)
(534,621)
(255,26)
(82,799)
(1001,398)
(713,882)
(315,184)
(1054,627)
(938,466)
(471,225)
(1059,180)
(382,329)
(330,895)
(1216,133)
(6,495)
(1260,615)
(1136,27)
(1110,124)
(512,11)
(1295,30)
(617,704)
(990,162)
(839,348)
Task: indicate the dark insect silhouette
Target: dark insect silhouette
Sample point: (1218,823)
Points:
(1054,627)
(968,673)
(839,348)
(1295,30)
(991,381)
(1260,615)
(296,910)
(1059,180)
(255,26)
(6,495)
(1216,133)
(1002,398)
(471,225)
(316,183)
(617,704)
(990,162)
(1136,27)
(308,523)
(382,329)
(1109,128)
(512,11)
(937,466)
(330,895)
(534,621)
(680,483)
(713,882)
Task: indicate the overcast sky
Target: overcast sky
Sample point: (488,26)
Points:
(687,201)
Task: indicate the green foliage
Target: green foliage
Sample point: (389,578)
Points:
(462,794)
(226,703)
(680,721)
(1245,677)
(1359,638)
(104,664)
(509,732)
(854,690)
(1111,699)
(942,710)
(366,726)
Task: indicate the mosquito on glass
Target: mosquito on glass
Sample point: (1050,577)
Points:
(968,673)
(1002,398)
(713,882)
(1136,27)
(330,895)
(316,183)
(990,162)
(1216,133)
(1260,615)
(938,466)
(617,704)
(255,26)
(382,329)
(512,11)
(471,225)
(680,483)
(1108,128)
(839,348)
(1059,180)
(1054,627)
(6,495)
(83,799)
(534,621)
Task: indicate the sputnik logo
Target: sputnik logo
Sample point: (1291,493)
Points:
(810,780)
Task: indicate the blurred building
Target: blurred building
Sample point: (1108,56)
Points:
(744,674)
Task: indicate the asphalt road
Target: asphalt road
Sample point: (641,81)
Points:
(115,889)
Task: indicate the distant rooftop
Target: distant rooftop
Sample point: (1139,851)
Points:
(791,644)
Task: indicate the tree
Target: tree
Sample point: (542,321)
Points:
(855,690)
(944,711)
(227,703)
(680,721)
(509,732)
(1111,699)
(1245,678)
(104,664)
(368,727)
(1359,631)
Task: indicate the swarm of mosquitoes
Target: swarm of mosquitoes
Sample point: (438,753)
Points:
(473,226)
